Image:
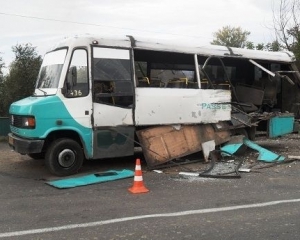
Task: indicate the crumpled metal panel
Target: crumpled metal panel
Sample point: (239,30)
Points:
(163,106)
(165,143)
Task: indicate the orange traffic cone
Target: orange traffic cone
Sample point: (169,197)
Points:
(138,185)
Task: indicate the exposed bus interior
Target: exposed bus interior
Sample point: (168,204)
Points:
(165,69)
(259,90)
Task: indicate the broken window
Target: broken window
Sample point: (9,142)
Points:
(214,74)
(112,77)
(164,69)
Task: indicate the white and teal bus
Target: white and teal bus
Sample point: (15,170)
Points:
(93,94)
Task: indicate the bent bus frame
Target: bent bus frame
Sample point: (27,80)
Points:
(97,97)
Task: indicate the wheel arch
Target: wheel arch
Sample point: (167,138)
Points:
(66,133)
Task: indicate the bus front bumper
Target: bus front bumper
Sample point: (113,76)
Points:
(25,146)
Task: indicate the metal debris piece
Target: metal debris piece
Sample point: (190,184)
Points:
(163,144)
(264,154)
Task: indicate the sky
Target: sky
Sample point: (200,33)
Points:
(45,22)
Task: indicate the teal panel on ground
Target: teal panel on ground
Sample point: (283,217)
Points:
(280,125)
(91,179)
(264,154)
(231,148)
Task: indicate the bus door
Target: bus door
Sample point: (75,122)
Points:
(113,92)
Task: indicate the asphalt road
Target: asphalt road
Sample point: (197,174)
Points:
(262,204)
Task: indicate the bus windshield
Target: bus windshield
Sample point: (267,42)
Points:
(51,69)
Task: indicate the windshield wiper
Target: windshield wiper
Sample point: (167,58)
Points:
(45,93)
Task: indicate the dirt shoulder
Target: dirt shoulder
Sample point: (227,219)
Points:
(21,165)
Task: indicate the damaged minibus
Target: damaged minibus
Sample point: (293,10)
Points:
(101,98)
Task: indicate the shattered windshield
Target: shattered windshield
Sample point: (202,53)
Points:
(51,69)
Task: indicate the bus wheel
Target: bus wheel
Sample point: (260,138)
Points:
(64,157)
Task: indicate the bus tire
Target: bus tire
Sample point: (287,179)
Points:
(64,157)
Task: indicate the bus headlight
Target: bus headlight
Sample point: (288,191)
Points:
(28,122)
(21,121)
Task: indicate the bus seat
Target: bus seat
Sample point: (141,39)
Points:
(193,85)
(177,83)
(250,96)
(204,84)
(143,82)
(224,85)
(270,89)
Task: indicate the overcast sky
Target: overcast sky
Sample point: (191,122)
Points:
(28,21)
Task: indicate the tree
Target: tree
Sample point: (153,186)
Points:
(231,37)
(287,25)
(23,72)
(1,87)
(1,72)
(250,45)
(274,46)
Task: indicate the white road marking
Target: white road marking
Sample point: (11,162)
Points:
(117,220)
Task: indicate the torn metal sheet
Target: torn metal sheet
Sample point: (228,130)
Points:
(294,157)
(244,170)
(222,169)
(264,154)
(207,147)
(100,177)
(240,119)
(233,145)
(165,143)
(181,106)
(262,68)
(190,174)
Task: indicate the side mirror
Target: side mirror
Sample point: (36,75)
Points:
(73,71)
(71,80)
(72,77)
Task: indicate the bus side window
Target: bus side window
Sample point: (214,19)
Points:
(112,77)
(157,69)
(77,77)
(141,74)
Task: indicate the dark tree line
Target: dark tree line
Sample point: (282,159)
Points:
(286,29)
(20,81)
(237,37)
(23,71)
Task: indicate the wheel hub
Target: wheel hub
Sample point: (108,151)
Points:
(66,158)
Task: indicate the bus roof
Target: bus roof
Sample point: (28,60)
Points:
(188,47)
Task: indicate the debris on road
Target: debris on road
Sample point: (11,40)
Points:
(229,162)
(165,143)
(264,154)
(294,157)
(100,177)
